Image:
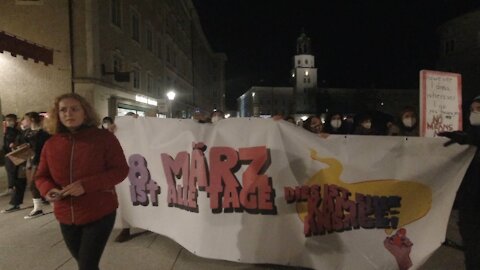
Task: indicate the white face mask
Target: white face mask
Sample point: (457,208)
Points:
(409,121)
(105,125)
(367,125)
(475,118)
(336,123)
(216,119)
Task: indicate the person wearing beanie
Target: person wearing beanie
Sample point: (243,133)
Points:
(468,195)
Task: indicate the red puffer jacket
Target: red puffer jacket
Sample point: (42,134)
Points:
(92,156)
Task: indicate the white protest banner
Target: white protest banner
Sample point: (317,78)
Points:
(440,102)
(264,191)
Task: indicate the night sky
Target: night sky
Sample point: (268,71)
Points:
(357,43)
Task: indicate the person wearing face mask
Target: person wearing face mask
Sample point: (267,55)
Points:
(468,195)
(406,125)
(364,126)
(335,125)
(108,124)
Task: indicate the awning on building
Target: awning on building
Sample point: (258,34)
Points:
(26,49)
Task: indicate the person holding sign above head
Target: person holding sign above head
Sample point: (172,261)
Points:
(79,168)
(468,195)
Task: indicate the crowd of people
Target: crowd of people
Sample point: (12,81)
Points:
(76,161)
(368,123)
(29,133)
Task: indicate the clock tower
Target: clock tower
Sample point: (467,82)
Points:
(304,77)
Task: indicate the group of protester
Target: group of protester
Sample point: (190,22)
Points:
(80,164)
(364,124)
(28,135)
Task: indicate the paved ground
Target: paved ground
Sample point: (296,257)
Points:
(37,244)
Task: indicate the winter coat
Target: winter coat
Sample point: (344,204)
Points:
(11,136)
(92,156)
(468,195)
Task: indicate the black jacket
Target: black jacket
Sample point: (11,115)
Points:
(468,195)
(11,136)
(36,139)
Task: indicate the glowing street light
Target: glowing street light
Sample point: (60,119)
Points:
(171,96)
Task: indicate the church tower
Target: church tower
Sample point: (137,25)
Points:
(304,77)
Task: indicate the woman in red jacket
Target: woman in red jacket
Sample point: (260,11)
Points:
(79,168)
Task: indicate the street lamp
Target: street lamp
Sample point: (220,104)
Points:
(171,97)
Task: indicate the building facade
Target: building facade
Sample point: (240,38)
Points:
(460,51)
(122,55)
(27,84)
(260,101)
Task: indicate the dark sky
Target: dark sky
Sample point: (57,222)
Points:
(356,43)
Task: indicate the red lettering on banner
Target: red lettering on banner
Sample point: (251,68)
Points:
(253,194)
(256,193)
(223,161)
(332,209)
(179,196)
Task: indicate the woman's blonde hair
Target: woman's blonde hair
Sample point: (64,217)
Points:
(53,124)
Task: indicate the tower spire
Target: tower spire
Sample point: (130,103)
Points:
(303,43)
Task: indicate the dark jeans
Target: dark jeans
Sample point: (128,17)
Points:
(11,172)
(19,184)
(469,226)
(87,242)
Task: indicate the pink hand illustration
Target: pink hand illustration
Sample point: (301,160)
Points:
(400,246)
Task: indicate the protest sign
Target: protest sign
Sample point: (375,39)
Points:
(440,102)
